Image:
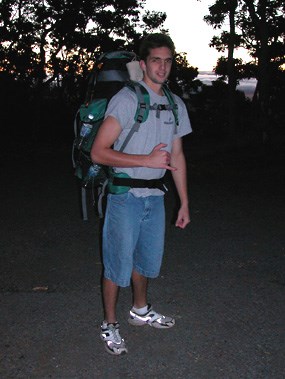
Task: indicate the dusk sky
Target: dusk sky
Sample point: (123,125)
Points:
(189,31)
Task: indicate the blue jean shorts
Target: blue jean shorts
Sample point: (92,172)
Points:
(133,237)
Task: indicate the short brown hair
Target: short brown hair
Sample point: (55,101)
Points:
(153,41)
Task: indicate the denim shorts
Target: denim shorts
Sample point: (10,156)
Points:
(133,237)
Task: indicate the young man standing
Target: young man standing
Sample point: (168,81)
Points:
(134,227)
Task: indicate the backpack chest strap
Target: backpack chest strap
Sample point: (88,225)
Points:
(162,107)
(144,107)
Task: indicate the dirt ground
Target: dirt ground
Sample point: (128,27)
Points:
(222,278)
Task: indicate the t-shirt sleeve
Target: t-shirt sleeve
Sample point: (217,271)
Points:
(122,107)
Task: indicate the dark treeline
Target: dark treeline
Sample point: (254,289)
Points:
(48,48)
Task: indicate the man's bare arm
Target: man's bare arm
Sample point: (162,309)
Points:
(180,180)
(103,153)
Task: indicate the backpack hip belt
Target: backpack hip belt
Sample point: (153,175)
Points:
(140,183)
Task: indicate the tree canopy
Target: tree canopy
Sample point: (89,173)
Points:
(260,25)
(41,40)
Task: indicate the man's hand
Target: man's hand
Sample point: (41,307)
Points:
(160,158)
(183,217)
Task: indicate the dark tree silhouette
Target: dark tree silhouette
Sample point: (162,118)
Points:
(45,41)
(261,32)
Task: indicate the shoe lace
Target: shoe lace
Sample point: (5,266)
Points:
(115,333)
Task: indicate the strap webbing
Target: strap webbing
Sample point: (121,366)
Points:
(143,107)
(140,183)
(101,194)
(84,204)
(173,105)
(134,129)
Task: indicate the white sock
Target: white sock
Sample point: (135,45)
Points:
(140,311)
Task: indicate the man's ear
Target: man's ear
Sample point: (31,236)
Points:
(142,65)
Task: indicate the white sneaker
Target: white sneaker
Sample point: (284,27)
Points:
(113,342)
(151,318)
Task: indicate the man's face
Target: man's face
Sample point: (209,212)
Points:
(157,66)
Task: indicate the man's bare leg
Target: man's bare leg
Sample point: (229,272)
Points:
(142,313)
(110,297)
(110,333)
(140,284)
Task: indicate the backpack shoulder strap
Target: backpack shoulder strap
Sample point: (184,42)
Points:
(172,103)
(142,109)
(143,101)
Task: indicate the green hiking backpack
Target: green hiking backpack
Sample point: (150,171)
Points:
(108,77)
